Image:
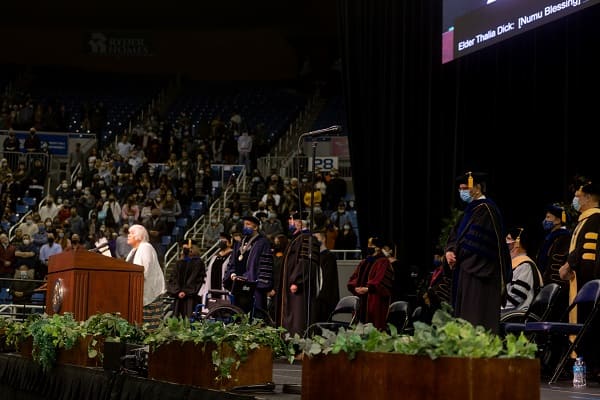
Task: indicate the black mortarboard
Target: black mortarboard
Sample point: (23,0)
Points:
(591,188)
(252,219)
(558,211)
(521,236)
(471,178)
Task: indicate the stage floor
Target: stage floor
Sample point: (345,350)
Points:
(285,373)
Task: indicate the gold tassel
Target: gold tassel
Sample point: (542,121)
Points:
(470,180)
(563,217)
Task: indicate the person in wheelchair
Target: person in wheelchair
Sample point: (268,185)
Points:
(252,261)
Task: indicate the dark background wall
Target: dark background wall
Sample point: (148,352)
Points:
(524,111)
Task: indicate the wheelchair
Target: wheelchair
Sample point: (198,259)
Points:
(227,305)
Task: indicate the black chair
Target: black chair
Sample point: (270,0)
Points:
(588,294)
(399,315)
(344,315)
(539,310)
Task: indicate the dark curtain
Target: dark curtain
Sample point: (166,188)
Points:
(523,110)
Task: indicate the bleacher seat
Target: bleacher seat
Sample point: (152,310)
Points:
(30,201)
(21,209)
(181,222)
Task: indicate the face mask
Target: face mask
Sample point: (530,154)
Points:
(226,215)
(29,222)
(576,204)
(50,241)
(26,242)
(386,253)
(346,227)
(186,251)
(236,217)
(548,225)
(341,210)
(247,231)
(465,195)
(61,235)
(64,185)
(23,274)
(222,245)
(48,223)
(370,251)
(292,228)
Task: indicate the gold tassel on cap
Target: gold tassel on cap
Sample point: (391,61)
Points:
(563,216)
(470,180)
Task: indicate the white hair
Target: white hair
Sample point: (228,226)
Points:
(139,233)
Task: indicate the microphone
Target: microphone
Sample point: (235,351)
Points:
(97,248)
(330,130)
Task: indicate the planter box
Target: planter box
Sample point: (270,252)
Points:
(189,364)
(78,354)
(387,375)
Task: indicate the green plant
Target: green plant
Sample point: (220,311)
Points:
(242,336)
(110,327)
(445,337)
(52,333)
(17,332)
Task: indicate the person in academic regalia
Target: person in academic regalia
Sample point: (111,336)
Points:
(583,265)
(372,281)
(553,253)
(252,260)
(185,281)
(299,276)
(477,252)
(328,291)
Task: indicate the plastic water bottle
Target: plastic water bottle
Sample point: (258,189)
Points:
(579,372)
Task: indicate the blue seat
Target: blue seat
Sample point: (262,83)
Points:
(30,201)
(588,294)
(176,233)
(21,209)
(181,222)
(166,240)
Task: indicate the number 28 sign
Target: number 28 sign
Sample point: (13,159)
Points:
(323,163)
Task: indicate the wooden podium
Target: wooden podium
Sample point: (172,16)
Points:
(86,283)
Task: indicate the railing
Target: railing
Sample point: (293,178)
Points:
(14,311)
(197,228)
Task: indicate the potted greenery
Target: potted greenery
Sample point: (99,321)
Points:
(4,326)
(240,353)
(51,334)
(449,359)
(104,328)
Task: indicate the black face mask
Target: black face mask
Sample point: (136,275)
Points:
(370,251)
(222,245)
(186,252)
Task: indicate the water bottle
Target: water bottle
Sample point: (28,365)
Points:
(579,372)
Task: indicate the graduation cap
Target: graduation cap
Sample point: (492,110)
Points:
(558,211)
(252,219)
(471,178)
(591,188)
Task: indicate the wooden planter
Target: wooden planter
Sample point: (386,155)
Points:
(77,355)
(190,364)
(387,375)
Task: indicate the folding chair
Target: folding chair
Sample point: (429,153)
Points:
(539,310)
(399,315)
(345,314)
(588,294)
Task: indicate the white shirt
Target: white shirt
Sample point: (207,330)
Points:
(154,279)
